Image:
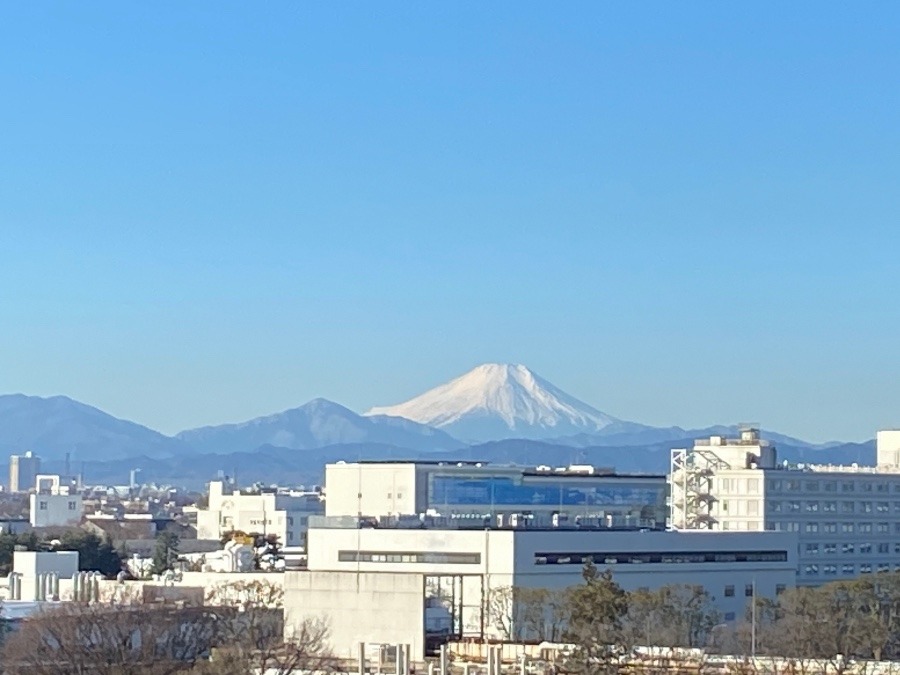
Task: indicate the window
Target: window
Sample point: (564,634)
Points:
(793,485)
(866,486)
(812,549)
(884,548)
(830,528)
(829,507)
(829,569)
(865,548)
(775,507)
(43,506)
(658,557)
(865,568)
(847,486)
(882,528)
(811,570)
(848,569)
(729,591)
(71,506)
(780,588)
(848,507)
(812,506)
(748,590)
(775,485)
(290,520)
(830,549)
(884,567)
(794,506)
(830,486)
(897,548)
(812,486)
(847,528)
(811,527)
(866,506)
(432,557)
(848,548)
(865,528)
(729,616)
(881,487)
(882,507)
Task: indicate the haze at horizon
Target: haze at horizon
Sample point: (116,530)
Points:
(683,215)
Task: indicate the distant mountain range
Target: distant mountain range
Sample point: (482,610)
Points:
(496,413)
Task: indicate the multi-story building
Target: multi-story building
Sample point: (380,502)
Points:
(23,470)
(847,518)
(475,490)
(53,504)
(282,513)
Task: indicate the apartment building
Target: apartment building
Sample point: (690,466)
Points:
(847,518)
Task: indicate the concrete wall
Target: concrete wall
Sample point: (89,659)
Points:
(48,510)
(32,563)
(382,608)
(373,489)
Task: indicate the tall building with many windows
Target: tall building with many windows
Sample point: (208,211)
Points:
(847,518)
(23,469)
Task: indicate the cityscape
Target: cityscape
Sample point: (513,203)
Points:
(449,339)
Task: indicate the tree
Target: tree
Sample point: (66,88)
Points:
(166,551)
(674,615)
(256,638)
(595,612)
(110,639)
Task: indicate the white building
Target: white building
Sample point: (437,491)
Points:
(847,518)
(23,469)
(468,490)
(284,514)
(52,505)
(374,585)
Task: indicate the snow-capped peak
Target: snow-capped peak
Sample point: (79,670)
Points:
(498,401)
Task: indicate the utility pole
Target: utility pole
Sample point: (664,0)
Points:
(753,620)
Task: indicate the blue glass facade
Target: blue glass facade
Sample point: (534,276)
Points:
(502,491)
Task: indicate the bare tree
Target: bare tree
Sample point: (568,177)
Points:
(253,634)
(109,639)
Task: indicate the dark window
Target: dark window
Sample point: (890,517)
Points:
(655,557)
(729,591)
(779,589)
(748,590)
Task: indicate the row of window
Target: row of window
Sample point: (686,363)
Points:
(851,548)
(813,569)
(778,485)
(835,528)
(795,506)
(42,506)
(656,557)
(431,557)
(749,590)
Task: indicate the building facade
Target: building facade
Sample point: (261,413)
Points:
(283,514)
(23,470)
(356,574)
(53,504)
(846,518)
(475,490)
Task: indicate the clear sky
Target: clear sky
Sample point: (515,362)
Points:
(682,213)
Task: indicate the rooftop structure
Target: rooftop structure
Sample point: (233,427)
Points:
(476,491)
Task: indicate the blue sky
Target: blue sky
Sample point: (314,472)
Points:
(682,213)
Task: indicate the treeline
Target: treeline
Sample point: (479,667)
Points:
(95,554)
(853,620)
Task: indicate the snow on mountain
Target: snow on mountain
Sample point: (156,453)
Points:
(495,401)
(316,424)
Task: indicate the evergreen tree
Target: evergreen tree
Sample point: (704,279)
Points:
(166,551)
(595,613)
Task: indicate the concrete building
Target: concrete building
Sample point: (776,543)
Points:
(474,490)
(53,505)
(23,469)
(847,518)
(284,514)
(379,585)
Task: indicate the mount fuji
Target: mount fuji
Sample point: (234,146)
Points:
(496,401)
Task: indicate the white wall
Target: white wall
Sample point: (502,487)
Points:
(381,608)
(887,444)
(373,489)
(47,510)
